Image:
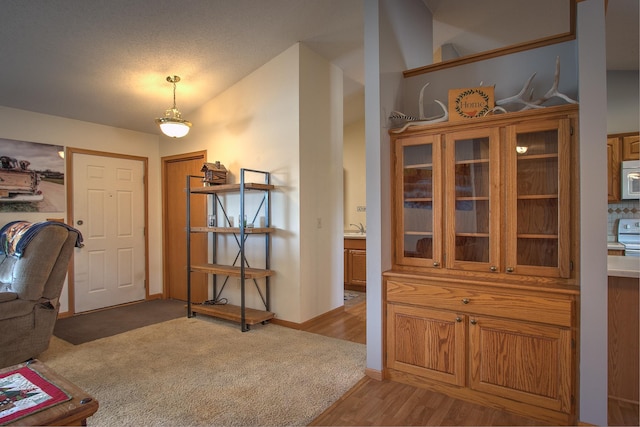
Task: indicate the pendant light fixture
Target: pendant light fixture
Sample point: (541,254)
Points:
(172,124)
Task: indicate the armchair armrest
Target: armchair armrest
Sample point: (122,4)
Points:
(8,296)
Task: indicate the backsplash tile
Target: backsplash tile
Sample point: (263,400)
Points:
(625,209)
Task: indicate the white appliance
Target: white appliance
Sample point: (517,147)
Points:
(630,179)
(629,236)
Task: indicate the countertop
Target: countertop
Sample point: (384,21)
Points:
(623,266)
(355,235)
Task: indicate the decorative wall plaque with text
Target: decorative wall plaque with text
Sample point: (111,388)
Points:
(470,103)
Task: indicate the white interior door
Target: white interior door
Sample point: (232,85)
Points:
(108,208)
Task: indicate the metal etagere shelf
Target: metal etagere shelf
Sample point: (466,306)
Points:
(240,267)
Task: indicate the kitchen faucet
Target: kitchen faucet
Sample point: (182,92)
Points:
(360,227)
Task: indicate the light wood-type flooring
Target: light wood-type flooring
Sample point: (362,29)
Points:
(388,403)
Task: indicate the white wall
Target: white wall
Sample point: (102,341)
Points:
(623,102)
(262,122)
(35,127)
(321,182)
(354,172)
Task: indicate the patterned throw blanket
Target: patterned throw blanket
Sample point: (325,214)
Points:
(16,235)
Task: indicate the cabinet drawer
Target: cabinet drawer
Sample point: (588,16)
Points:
(555,311)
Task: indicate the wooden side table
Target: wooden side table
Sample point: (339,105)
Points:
(73,412)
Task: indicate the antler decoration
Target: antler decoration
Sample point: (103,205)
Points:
(436,119)
(422,120)
(524,98)
(527,90)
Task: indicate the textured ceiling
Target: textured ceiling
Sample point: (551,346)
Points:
(105,61)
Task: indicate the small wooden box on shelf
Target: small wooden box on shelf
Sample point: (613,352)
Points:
(214,173)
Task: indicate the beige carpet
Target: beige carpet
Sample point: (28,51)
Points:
(205,372)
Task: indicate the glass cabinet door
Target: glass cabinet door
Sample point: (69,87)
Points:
(418,213)
(537,204)
(472,178)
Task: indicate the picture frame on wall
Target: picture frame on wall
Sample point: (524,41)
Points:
(31,177)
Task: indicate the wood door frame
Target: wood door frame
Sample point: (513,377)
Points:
(164,161)
(70,151)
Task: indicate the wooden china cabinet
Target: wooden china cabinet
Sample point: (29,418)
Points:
(481,302)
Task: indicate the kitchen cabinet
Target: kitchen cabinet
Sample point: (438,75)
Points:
(480,303)
(355,264)
(613,169)
(630,147)
(623,341)
(620,147)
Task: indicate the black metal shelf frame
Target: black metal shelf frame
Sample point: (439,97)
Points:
(240,237)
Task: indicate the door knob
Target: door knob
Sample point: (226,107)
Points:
(79,222)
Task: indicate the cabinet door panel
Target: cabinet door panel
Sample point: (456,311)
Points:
(525,361)
(428,343)
(472,194)
(537,198)
(346,266)
(631,147)
(613,169)
(358,266)
(418,201)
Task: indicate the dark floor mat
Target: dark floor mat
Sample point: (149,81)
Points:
(105,323)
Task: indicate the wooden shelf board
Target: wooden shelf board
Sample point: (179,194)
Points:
(471,161)
(418,233)
(419,166)
(537,196)
(419,199)
(230,230)
(538,156)
(232,312)
(228,270)
(472,198)
(227,188)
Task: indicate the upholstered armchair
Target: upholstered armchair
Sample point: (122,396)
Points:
(32,273)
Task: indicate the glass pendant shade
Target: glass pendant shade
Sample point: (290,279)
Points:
(172,124)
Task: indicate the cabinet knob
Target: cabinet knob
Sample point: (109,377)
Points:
(493,268)
(458,319)
(465,300)
(509,269)
(436,264)
(474,321)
